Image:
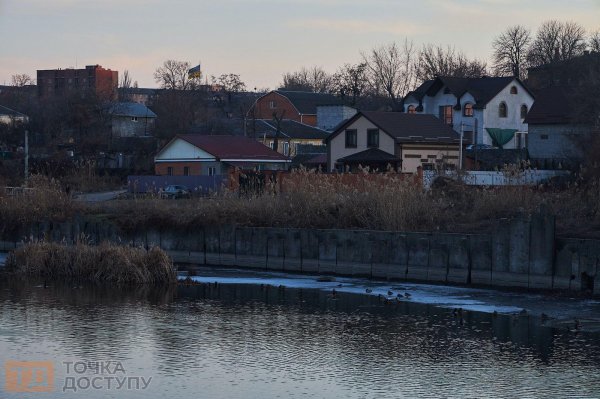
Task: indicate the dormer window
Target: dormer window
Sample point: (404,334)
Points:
(524,111)
(411,109)
(468,110)
(513,90)
(502,110)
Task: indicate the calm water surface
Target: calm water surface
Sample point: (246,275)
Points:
(252,341)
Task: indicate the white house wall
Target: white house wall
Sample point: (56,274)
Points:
(482,118)
(513,106)
(182,150)
(338,143)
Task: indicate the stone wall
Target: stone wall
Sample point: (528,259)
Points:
(520,253)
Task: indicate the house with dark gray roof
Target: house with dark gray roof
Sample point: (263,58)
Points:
(289,134)
(401,141)
(490,109)
(555,137)
(131,120)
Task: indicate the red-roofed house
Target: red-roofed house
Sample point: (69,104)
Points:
(201,155)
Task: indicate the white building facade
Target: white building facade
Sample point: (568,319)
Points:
(491,110)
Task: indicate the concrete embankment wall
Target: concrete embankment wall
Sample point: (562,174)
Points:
(519,253)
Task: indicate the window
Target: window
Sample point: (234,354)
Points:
(524,111)
(373,138)
(468,110)
(212,170)
(446,114)
(134,119)
(544,137)
(351,138)
(411,109)
(186,170)
(272,104)
(272,145)
(513,90)
(170,171)
(502,111)
(521,139)
(286,148)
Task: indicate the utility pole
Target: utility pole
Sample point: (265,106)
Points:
(460,156)
(26,154)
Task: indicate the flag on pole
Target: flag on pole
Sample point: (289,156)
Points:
(195,72)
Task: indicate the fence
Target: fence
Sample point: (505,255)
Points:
(198,184)
(491,178)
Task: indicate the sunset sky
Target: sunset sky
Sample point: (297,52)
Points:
(258,39)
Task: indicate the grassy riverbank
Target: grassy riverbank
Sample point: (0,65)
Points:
(106,263)
(379,202)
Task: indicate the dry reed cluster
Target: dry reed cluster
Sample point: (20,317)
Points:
(105,263)
(389,201)
(41,199)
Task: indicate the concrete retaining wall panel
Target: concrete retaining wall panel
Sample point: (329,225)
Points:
(439,254)
(244,256)
(310,250)
(327,250)
(459,262)
(481,259)
(292,250)
(418,256)
(353,253)
(275,249)
(227,245)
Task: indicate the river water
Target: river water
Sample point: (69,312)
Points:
(254,339)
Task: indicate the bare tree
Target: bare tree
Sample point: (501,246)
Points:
(350,81)
(174,75)
(313,79)
(556,41)
(125,80)
(510,52)
(391,71)
(230,82)
(594,42)
(21,80)
(439,61)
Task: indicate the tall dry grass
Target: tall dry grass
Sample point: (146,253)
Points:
(389,201)
(41,198)
(106,263)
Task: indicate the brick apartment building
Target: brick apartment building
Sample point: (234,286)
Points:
(93,79)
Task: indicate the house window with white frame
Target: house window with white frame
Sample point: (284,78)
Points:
(134,118)
(468,110)
(272,104)
(212,170)
(446,114)
(286,148)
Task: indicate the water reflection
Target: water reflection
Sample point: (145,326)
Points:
(244,341)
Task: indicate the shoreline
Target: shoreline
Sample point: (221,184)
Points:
(549,311)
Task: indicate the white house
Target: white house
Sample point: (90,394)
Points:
(491,110)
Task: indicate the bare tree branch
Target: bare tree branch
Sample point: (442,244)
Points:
(510,52)
(391,71)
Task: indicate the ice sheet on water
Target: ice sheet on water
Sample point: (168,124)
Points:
(443,296)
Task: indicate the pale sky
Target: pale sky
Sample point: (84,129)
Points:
(257,39)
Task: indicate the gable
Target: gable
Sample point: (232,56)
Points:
(179,149)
